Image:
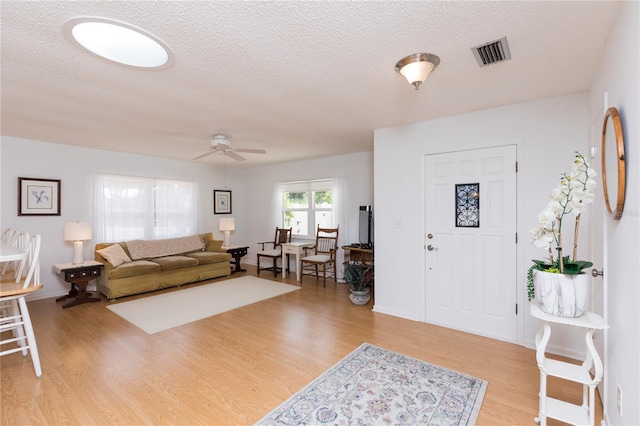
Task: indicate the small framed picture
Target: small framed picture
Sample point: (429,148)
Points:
(38,197)
(221,201)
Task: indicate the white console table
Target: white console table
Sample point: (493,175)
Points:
(583,414)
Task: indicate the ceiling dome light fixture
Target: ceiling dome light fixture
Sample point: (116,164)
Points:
(416,68)
(119,42)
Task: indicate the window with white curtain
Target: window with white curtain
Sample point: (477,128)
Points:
(307,204)
(128,208)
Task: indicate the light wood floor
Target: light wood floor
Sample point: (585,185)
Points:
(233,368)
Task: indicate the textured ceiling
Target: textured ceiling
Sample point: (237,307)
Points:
(299,79)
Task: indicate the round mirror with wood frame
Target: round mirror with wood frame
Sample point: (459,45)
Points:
(613,163)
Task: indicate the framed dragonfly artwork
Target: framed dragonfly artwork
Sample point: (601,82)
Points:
(38,197)
(221,201)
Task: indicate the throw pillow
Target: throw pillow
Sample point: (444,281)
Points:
(214,245)
(115,255)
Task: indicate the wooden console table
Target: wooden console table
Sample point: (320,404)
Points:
(361,254)
(78,275)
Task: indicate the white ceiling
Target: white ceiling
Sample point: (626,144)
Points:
(299,79)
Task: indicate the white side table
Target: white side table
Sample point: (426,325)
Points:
(295,248)
(550,407)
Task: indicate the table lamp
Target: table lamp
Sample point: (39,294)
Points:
(78,232)
(227,225)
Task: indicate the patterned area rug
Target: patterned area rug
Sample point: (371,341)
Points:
(374,386)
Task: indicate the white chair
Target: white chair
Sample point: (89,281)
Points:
(7,235)
(9,239)
(14,314)
(18,239)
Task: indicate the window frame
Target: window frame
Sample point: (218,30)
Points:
(310,187)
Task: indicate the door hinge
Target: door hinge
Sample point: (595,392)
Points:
(516,309)
(516,167)
(516,238)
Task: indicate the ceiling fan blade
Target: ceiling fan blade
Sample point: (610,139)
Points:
(203,155)
(254,151)
(235,156)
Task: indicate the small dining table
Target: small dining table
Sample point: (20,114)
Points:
(8,253)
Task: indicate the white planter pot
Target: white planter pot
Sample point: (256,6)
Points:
(560,294)
(359,297)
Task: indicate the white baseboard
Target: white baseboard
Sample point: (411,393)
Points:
(395,313)
(557,350)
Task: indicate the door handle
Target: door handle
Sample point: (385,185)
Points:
(595,273)
(430,247)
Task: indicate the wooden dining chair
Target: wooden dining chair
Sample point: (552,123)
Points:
(14,314)
(273,251)
(323,255)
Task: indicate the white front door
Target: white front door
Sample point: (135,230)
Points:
(471,241)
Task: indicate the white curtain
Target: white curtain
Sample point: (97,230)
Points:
(275,213)
(176,206)
(128,208)
(338,192)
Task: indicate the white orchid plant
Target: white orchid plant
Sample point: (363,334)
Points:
(569,198)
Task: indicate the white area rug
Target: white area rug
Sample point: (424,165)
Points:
(164,311)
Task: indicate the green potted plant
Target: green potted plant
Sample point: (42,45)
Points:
(561,285)
(358,276)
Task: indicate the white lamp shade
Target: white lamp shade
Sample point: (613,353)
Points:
(77,231)
(227,224)
(417,71)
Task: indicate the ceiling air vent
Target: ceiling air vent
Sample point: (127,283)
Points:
(492,52)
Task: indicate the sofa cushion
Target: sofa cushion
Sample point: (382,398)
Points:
(137,267)
(214,245)
(175,262)
(208,257)
(114,254)
(147,249)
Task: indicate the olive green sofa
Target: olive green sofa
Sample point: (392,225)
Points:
(149,265)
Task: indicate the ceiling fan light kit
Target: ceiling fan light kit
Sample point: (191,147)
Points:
(417,67)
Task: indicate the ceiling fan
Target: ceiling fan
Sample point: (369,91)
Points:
(220,144)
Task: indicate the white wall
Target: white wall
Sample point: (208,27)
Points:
(546,131)
(618,77)
(74,166)
(357,169)
(251,201)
